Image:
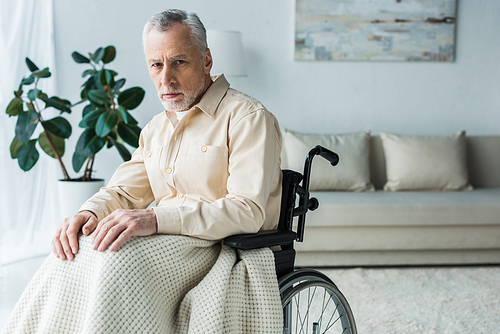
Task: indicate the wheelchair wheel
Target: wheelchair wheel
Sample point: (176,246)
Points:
(313,304)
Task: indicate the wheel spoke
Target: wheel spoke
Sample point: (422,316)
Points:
(312,308)
(306,315)
(298,311)
(328,325)
(322,308)
(299,318)
(305,321)
(308,307)
(310,299)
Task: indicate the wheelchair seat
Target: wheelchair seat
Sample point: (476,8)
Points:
(311,302)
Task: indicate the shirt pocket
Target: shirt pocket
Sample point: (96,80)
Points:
(153,162)
(205,170)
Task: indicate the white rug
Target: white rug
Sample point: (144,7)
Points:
(422,300)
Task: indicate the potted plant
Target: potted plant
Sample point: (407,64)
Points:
(30,111)
(105,119)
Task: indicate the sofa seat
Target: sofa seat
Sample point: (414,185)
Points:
(400,228)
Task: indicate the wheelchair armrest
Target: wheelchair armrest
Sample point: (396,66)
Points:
(260,239)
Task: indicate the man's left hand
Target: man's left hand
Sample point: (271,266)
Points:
(119,226)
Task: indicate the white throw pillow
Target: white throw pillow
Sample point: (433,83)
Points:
(425,163)
(353,171)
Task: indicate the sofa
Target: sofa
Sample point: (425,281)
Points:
(377,227)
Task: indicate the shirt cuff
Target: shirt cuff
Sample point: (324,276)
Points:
(168,219)
(100,214)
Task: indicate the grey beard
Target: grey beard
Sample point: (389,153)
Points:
(178,106)
(186,103)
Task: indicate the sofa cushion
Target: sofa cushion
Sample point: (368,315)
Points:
(351,174)
(422,208)
(402,228)
(425,163)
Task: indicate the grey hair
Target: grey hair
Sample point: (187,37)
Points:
(162,21)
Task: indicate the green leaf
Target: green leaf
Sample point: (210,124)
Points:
(98,54)
(109,77)
(78,161)
(109,54)
(15,107)
(88,108)
(45,73)
(26,124)
(111,139)
(28,81)
(83,95)
(87,72)
(32,67)
(58,126)
(45,145)
(79,58)
(130,134)
(60,103)
(19,92)
(97,97)
(105,123)
(90,83)
(131,98)
(28,156)
(89,143)
(105,78)
(54,101)
(124,153)
(33,94)
(88,86)
(31,106)
(90,118)
(118,84)
(97,81)
(127,118)
(15,147)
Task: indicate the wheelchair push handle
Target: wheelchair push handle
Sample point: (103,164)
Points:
(310,203)
(325,153)
(328,155)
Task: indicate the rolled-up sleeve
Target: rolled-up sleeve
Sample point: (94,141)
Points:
(128,188)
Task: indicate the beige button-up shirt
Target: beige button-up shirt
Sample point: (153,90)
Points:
(214,174)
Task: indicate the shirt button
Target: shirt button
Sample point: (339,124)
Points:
(150,154)
(169,170)
(180,195)
(204,148)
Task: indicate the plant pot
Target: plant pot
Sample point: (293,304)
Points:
(72,194)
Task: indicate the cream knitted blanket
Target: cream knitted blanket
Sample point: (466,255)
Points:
(157,284)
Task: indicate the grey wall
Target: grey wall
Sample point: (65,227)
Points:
(328,97)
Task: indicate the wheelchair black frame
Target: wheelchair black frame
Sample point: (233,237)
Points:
(284,235)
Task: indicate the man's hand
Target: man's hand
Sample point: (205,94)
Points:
(119,226)
(65,242)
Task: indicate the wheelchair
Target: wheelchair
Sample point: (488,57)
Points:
(312,303)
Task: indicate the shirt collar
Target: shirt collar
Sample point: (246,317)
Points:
(214,95)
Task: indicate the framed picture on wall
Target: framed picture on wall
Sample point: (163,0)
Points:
(375,30)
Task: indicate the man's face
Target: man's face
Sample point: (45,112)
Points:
(180,73)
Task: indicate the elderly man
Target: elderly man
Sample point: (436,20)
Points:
(211,162)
